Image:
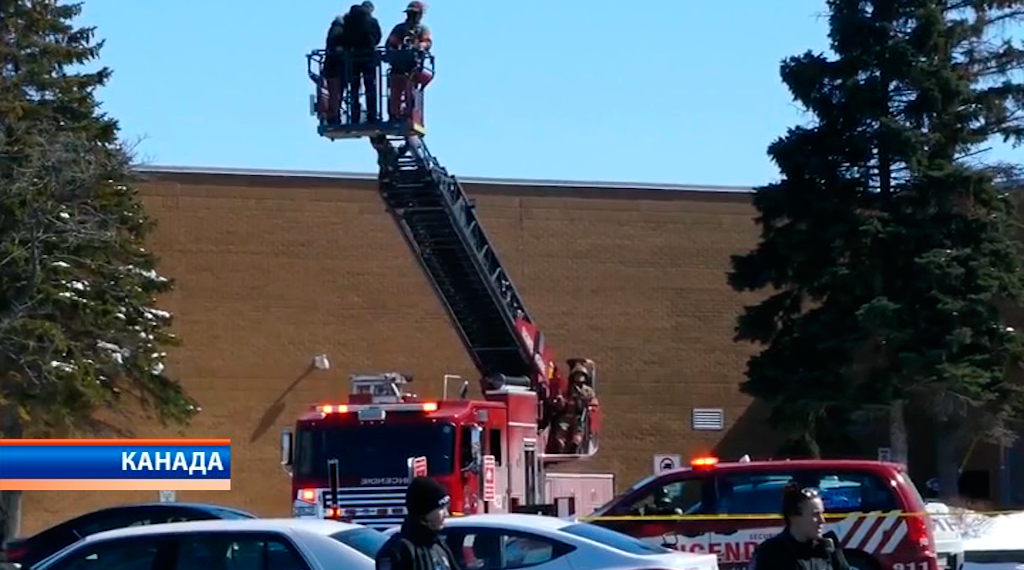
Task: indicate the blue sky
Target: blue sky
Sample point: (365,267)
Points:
(658,92)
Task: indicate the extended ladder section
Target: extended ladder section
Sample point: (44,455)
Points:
(440,224)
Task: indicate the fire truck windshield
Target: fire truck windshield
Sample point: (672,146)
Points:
(373,450)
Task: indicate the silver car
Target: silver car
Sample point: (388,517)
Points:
(257,544)
(495,541)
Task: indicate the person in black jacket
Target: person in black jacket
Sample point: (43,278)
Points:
(334,70)
(418,546)
(360,38)
(803,544)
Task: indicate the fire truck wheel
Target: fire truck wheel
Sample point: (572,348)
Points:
(860,561)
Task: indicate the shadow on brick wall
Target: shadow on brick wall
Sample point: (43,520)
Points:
(276,408)
(750,435)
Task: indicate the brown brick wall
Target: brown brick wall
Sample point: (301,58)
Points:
(273,270)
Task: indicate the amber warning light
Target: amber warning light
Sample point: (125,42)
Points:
(345,408)
(704,462)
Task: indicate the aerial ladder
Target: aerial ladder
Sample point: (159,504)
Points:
(440,225)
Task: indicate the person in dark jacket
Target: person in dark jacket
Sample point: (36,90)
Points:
(334,70)
(803,544)
(418,546)
(360,38)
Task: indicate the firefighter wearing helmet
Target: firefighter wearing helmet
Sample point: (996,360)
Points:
(568,431)
(406,45)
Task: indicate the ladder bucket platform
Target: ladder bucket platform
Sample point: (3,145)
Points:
(387,100)
(371,130)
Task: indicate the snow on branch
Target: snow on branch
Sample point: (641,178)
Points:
(78,313)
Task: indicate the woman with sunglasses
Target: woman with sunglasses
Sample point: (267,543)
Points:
(803,544)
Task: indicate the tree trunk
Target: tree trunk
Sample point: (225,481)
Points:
(813,449)
(800,446)
(10,501)
(10,514)
(947,457)
(899,448)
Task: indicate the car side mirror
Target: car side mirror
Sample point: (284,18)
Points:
(477,435)
(286,447)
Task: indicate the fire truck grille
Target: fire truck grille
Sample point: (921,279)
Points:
(375,507)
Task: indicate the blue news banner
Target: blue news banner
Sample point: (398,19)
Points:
(34,461)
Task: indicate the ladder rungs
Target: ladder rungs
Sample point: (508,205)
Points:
(434,211)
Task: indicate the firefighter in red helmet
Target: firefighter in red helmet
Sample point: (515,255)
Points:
(568,431)
(407,44)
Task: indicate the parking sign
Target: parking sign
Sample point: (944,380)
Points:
(666,462)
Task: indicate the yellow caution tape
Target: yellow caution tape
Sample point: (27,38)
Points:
(771,516)
(740,516)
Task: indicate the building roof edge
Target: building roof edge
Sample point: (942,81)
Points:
(526,182)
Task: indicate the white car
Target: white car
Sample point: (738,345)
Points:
(949,541)
(262,544)
(504,541)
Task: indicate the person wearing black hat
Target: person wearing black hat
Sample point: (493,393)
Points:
(334,70)
(360,36)
(418,546)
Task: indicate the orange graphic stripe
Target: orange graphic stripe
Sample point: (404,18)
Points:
(115,484)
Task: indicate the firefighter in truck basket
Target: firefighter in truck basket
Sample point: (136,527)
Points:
(571,412)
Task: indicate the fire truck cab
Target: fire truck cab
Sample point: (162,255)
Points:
(348,460)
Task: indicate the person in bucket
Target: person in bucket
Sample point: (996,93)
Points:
(406,46)
(418,544)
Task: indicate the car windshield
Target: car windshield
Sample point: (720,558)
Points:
(373,450)
(614,539)
(365,540)
(614,501)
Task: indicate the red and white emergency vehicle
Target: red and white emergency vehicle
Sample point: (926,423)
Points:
(730,508)
(348,459)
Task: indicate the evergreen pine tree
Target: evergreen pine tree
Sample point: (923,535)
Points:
(79,331)
(885,247)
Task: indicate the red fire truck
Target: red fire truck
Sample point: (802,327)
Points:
(349,459)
